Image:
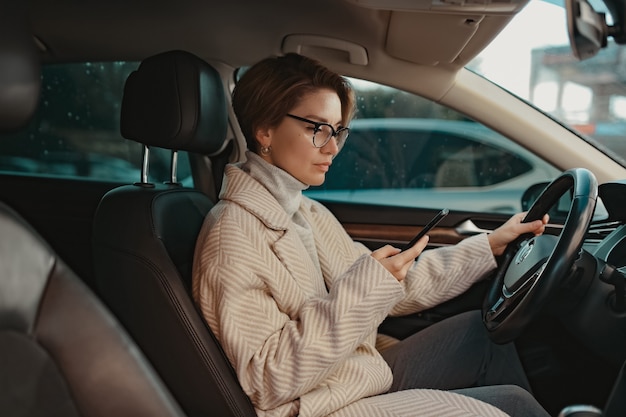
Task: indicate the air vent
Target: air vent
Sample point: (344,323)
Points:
(598,231)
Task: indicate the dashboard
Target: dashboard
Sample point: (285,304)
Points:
(611,233)
(592,300)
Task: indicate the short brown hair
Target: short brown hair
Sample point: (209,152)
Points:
(272,87)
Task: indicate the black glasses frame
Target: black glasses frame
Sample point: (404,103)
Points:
(317,127)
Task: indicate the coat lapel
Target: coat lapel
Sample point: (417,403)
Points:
(287,246)
(335,249)
(293,255)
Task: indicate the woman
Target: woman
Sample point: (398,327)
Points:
(295,303)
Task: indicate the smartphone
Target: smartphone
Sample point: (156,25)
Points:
(443,213)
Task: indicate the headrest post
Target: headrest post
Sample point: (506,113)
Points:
(145,164)
(174,167)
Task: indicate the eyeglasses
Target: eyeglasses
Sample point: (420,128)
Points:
(323,132)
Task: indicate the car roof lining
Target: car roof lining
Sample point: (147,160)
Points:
(105,28)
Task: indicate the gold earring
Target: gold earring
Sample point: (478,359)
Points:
(266,150)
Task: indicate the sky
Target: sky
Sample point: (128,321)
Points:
(507,60)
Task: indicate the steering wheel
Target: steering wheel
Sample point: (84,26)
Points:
(533,267)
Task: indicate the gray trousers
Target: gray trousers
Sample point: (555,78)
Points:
(456,354)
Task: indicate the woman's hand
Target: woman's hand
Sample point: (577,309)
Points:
(398,262)
(512,229)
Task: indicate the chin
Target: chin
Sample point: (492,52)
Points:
(316,181)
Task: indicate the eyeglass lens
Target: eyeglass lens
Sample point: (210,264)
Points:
(324,133)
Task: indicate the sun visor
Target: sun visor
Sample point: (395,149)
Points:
(413,36)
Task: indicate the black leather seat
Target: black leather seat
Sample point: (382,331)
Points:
(61,352)
(145,234)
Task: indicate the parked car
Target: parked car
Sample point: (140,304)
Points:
(500,79)
(432,163)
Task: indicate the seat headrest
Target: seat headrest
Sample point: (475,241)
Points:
(20,74)
(175,100)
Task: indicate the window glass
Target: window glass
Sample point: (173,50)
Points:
(543,70)
(75,132)
(404,150)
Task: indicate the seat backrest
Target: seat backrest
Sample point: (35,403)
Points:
(61,352)
(144,235)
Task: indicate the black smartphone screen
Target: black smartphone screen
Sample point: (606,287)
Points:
(443,213)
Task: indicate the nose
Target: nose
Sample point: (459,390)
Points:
(331,146)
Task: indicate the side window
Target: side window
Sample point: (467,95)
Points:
(404,150)
(458,161)
(75,133)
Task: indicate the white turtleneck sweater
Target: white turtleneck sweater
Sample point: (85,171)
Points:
(287,190)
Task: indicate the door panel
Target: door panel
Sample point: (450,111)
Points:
(376,226)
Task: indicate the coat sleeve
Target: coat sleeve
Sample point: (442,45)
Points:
(441,274)
(437,276)
(279,357)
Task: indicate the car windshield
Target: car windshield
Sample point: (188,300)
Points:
(589,96)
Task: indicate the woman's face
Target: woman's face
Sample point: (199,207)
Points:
(292,140)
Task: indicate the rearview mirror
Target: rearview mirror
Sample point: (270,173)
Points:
(587,29)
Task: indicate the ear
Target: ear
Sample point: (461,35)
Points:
(263,136)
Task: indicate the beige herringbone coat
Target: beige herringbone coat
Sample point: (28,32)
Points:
(297,347)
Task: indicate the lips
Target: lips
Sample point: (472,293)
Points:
(324,166)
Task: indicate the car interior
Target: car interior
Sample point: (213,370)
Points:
(95,276)
(63,352)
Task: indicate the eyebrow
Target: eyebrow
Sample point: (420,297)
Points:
(322,120)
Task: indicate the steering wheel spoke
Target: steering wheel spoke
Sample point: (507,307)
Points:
(524,284)
(497,309)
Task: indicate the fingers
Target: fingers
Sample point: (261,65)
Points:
(520,216)
(545,219)
(538,226)
(414,251)
(385,252)
(531,226)
(541,225)
(398,262)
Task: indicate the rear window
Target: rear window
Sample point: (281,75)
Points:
(75,133)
